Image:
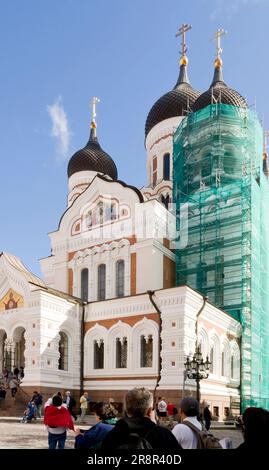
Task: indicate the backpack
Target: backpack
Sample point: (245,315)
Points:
(135,441)
(205,439)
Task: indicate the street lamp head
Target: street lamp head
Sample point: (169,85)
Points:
(207,364)
(198,353)
(194,364)
(187,365)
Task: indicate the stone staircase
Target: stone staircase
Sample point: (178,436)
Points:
(14,406)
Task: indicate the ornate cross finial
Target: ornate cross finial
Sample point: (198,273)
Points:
(182,32)
(94,101)
(220,32)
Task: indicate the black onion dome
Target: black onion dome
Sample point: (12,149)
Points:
(174,103)
(92,158)
(219,92)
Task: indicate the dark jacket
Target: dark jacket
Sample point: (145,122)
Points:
(207,414)
(72,403)
(92,439)
(158,436)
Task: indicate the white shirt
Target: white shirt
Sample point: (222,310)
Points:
(184,435)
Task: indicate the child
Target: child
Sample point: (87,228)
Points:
(29,413)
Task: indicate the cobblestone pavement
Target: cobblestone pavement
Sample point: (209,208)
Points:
(234,434)
(15,435)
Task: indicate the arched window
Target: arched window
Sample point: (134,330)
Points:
(166,167)
(113,212)
(154,171)
(84,290)
(98,354)
(100,212)
(120,278)
(63,351)
(3,337)
(19,358)
(212,359)
(121,353)
(232,366)
(146,348)
(101,284)
(223,364)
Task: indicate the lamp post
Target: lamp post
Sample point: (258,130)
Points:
(197,369)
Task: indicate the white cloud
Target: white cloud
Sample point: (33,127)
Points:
(60,129)
(228,8)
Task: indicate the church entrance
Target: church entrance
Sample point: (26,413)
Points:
(19,347)
(3,337)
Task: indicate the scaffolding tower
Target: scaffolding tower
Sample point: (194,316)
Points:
(218,173)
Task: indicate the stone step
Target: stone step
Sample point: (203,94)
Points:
(14,406)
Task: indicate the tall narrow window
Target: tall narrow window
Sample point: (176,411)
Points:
(120,278)
(166,167)
(146,345)
(121,353)
(222,364)
(100,212)
(232,367)
(84,291)
(219,273)
(98,354)
(63,351)
(212,360)
(154,171)
(101,282)
(113,212)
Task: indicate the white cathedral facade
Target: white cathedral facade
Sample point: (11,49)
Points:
(107,315)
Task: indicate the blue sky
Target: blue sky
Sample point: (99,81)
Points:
(56,55)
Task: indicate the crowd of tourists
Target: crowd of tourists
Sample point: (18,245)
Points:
(143,424)
(10,380)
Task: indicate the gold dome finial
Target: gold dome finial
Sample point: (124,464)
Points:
(218,63)
(184,60)
(182,32)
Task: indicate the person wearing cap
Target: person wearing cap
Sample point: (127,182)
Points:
(188,411)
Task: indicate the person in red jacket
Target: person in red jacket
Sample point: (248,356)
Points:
(57,419)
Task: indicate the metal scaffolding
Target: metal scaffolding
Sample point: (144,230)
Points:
(218,173)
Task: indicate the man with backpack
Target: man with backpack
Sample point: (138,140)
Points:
(190,433)
(137,430)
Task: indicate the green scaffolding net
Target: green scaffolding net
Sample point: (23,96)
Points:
(222,196)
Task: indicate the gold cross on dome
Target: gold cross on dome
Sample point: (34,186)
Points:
(220,32)
(182,32)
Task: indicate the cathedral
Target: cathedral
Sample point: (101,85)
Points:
(127,295)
